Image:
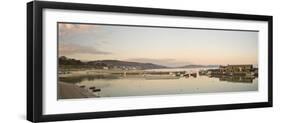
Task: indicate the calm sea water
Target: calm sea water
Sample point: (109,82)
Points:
(140,86)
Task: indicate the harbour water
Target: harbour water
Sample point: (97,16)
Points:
(141,86)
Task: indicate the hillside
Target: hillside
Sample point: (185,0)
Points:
(126,64)
(100,64)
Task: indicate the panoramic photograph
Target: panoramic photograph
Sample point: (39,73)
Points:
(106,60)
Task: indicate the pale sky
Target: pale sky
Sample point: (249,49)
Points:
(163,46)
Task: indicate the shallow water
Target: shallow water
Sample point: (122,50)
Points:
(139,86)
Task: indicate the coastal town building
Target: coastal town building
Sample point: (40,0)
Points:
(232,70)
(236,68)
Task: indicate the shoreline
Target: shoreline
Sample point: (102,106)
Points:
(71,91)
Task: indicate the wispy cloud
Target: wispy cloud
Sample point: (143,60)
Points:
(69,49)
(65,29)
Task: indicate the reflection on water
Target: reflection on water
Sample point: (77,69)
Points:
(236,79)
(116,86)
(80,78)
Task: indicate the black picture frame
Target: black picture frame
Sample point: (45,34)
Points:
(35,69)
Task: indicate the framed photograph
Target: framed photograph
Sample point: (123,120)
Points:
(96,61)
